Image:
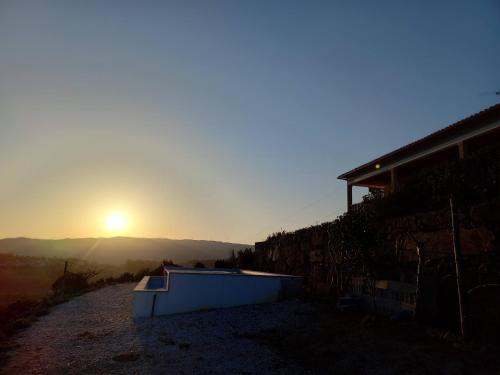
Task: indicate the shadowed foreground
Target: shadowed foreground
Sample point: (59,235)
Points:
(95,334)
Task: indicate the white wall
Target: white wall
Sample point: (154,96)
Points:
(190,292)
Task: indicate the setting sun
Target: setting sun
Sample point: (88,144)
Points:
(116,222)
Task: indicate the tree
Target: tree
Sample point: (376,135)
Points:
(356,248)
(246,259)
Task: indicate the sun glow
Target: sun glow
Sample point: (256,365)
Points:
(116,222)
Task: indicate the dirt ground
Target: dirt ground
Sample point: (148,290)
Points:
(353,343)
(95,333)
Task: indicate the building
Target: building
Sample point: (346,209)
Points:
(388,173)
(413,185)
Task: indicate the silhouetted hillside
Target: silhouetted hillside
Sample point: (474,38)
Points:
(117,250)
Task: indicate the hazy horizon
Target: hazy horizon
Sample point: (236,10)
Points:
(223,120)
(117,236)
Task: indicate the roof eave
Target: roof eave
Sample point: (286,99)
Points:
(358,170)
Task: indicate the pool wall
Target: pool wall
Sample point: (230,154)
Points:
(183,291)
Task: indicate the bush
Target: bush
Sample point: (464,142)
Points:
(245,258)
(73,283)
(126,277)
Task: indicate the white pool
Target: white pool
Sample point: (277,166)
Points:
(183,289)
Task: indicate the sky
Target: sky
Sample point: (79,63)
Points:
(221,120)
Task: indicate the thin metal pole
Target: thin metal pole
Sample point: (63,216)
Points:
(418,292)
(457,249)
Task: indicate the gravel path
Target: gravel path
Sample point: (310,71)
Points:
(95,334)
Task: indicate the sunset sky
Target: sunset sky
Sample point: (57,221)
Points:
(222,120)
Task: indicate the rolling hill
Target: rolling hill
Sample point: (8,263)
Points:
(117,250)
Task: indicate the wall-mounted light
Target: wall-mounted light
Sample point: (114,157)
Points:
(377,166)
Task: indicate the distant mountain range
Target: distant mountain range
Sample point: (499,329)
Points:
(117,250)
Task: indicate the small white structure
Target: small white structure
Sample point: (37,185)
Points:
(183,289)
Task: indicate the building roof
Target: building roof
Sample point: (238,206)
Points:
(458,128)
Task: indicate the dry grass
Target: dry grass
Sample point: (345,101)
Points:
(23,284)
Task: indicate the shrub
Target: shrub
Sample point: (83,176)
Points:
(73,283)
